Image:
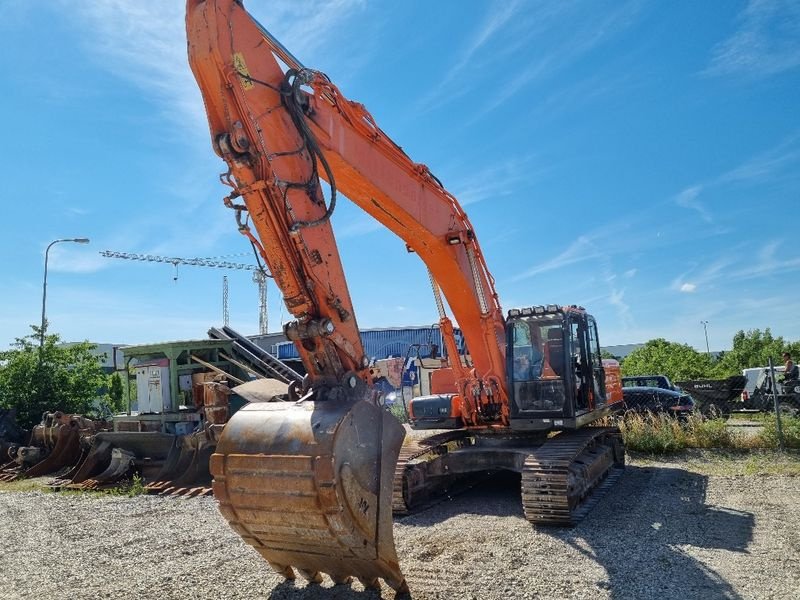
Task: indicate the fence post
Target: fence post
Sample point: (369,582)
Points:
(775,402)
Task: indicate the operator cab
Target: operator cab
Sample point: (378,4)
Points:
(557,379)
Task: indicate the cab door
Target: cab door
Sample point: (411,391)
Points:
(598,372)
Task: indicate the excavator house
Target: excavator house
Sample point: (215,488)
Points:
(312,483)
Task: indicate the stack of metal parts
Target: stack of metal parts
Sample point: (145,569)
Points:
(172,463)
(54,445)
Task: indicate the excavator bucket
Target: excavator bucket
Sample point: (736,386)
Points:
(95,456)
(185,471)
(66,450)
(309,486)
(114,454)
(54,445)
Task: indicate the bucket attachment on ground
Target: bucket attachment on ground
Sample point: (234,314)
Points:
(115,454)
(54,444)
(309,485)
(185,471)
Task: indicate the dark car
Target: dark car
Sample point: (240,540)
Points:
(657,400)
(656,381)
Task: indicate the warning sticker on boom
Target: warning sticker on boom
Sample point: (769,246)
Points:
(241,69)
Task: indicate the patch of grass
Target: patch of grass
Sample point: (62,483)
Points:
(745,463)
(710,433)
(662,434)
(135,486)
(791,432)
(37,484)
(130,488)
(652,434)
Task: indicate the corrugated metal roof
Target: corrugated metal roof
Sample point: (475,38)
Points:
(385,343)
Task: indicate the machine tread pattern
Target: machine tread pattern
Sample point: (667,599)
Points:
(564,478)
(402,500)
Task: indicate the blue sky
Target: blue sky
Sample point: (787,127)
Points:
(641,159)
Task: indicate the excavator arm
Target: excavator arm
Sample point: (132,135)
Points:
(309,483)
(279,130)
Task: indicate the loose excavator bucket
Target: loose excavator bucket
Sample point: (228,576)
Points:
(54,444)
(185,471)
(309,486)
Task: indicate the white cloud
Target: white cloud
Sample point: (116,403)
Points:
(688,199)
(357,226)
(492,24)
(498,180)
(144,42)
(556,34)
(688,288)
(630,273)
(767,41)
(582,249)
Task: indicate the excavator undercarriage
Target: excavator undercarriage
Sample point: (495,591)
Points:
(561,475)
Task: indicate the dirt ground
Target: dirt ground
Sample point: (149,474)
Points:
(702,526)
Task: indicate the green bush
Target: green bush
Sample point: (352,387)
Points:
(652,434)
(710,433)
(791,432)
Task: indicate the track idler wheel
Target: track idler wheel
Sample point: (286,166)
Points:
(309,485)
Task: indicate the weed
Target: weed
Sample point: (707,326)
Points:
(37,484)
(136,486)
(663,434)
(791,433)
(710,433)
(399,413)
(652,434)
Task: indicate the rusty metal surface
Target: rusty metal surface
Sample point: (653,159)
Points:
(54,444)
(309,486)
(114,455)
(185,471)
(216,403)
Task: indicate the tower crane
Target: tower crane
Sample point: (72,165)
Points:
(259,277)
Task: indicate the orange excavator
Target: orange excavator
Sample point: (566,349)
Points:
(312,484)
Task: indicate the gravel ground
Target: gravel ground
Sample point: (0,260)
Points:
(663,532)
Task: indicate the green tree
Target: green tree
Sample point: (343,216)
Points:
(115,393)
(754,349)
(59,377)
(676,361)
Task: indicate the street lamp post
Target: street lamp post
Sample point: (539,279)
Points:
(705,330)
(44,286)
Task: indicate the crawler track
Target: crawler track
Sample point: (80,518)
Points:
(565,477)
(409,477)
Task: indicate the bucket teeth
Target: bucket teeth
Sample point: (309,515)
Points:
(370,584)
(311,576)
(284,570)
